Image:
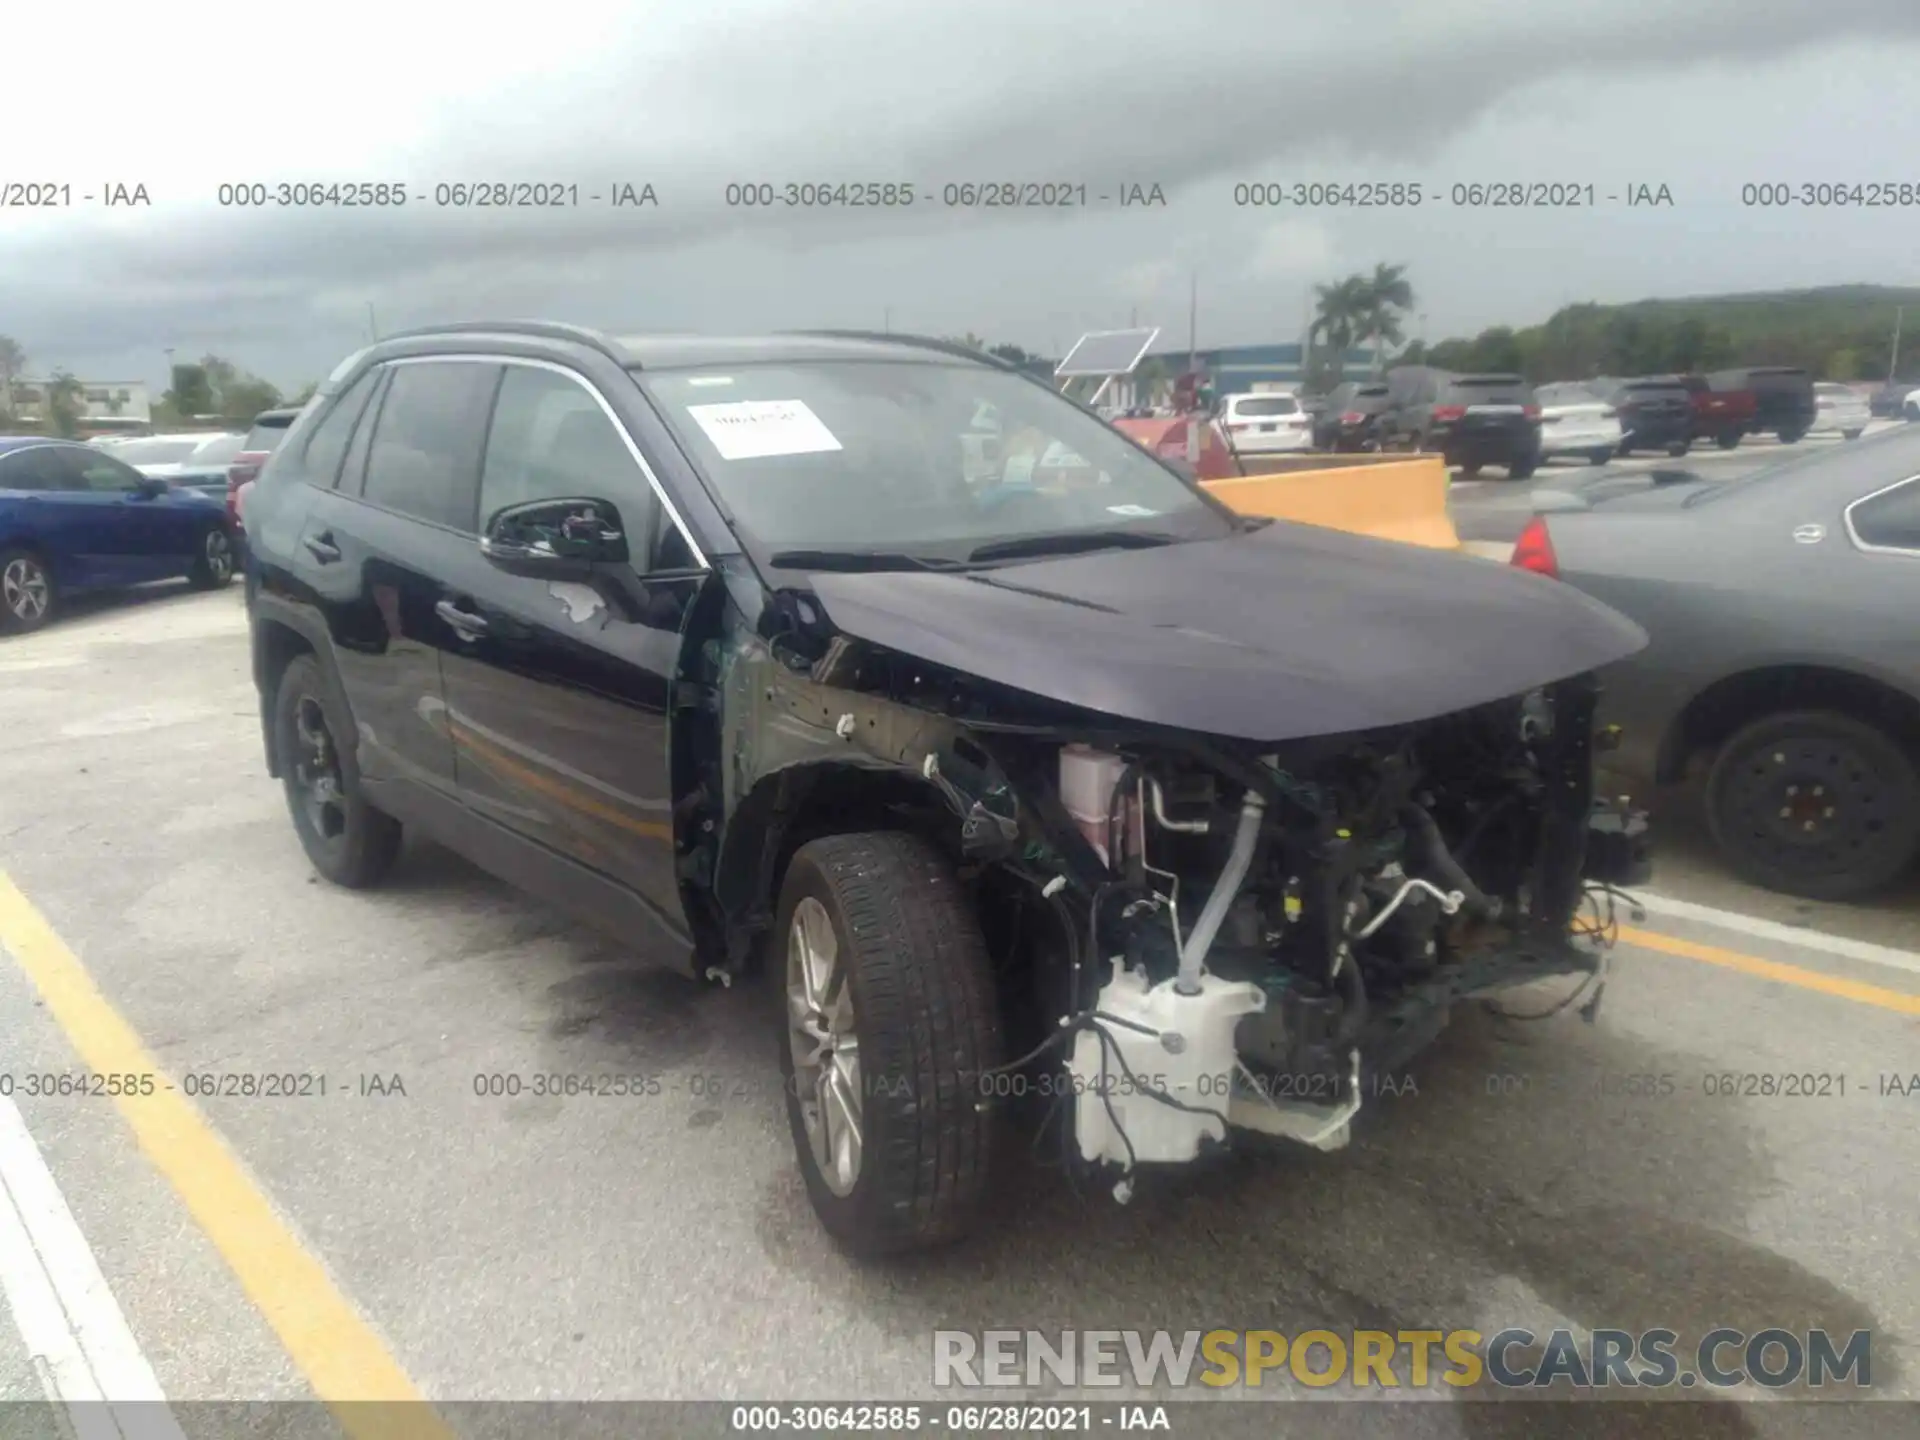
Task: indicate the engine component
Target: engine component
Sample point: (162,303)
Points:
(1089,788)
(1193,954)
(1619,850)
(1153,1069)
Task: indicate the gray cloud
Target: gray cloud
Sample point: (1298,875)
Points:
(1190,97)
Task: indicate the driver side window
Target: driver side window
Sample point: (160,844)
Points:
(550,440)
(101,473)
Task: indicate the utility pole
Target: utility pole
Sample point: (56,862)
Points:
(886,322)
(1893,363)
(373,326)
(1193,369)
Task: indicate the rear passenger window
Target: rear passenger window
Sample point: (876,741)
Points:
(1890,520)
(425,457)
(550,440)
(326,444)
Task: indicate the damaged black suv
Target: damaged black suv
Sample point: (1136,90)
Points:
(1040,787)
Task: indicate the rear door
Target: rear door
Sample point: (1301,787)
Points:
(397,465)
(558,693)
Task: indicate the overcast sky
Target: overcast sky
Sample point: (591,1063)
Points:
(1699,95)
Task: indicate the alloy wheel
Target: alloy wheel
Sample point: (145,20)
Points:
(24,589)
(219,556)
(316,773)
(826,1053)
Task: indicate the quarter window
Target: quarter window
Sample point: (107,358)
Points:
(1889,520)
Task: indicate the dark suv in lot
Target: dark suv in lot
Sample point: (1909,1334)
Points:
(1656,412)
(1473,420)
(738,650)
(1347,418)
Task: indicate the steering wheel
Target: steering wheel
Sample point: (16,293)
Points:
(1000,496)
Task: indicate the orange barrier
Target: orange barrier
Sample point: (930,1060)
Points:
(1395,497)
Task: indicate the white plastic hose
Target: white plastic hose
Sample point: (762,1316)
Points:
(1232,875)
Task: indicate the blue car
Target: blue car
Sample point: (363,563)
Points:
(73,518)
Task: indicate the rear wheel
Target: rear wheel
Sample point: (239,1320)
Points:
(1815,803)
(215,564)
(26,592)
(1600,457)
(348,841)
(1850,434)
(1727,440)
(1679,448)
(1523,469)
(888,1020)
(1791,437)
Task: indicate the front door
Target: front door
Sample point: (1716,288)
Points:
(558,694)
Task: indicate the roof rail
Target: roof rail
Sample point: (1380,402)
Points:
(924,342)
(545,329)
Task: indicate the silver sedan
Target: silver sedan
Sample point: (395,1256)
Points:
(1784,659)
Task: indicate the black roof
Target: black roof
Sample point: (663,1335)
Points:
(668,351)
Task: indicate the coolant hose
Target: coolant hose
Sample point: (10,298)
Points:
(1225,890)
(1441,858)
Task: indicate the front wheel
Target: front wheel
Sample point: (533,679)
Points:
(348,841)
(888,1022)
(213,567)
(26,592)
(1815,803)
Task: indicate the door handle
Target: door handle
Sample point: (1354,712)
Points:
(465,624)
(322,548)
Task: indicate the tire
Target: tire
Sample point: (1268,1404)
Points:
(214,567)
(909,956)
(348,840)
(1467,472)
(1679,448)
(1730,440)
(1784,763)
(1791,437)
(28,596)
(1600,457)
(1622,450)
(1850,434)
(1523,469)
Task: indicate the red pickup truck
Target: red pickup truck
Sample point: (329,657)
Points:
(1721,416)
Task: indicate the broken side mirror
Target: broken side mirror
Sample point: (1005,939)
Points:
(555,539)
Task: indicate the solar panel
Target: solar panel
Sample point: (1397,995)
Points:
(1106,352)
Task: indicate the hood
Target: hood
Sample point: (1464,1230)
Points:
(1276,634)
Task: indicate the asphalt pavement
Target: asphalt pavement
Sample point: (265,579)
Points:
(403,1233)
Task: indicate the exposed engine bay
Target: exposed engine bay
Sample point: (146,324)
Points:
(1268,932)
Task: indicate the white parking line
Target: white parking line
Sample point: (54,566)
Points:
(1861,950)
(81,1346)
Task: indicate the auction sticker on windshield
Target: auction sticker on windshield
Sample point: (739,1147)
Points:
(756,429)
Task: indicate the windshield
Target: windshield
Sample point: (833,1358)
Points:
(1267,405)
(924,458)
(266,434)
(156,452)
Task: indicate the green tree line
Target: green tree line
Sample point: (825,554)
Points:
(211,388)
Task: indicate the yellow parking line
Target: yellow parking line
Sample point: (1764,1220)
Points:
(344,1361)
(1896,1000)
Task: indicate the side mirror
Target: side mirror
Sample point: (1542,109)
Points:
(555,539)
(148,488)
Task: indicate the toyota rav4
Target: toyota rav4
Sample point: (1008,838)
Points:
(1042,791)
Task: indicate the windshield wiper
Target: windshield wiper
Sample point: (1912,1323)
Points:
(1072,543)
(858,561)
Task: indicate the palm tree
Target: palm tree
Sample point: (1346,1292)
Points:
(64,396)
(1340,310)
(1387,297)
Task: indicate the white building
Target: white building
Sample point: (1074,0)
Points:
(103,403)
